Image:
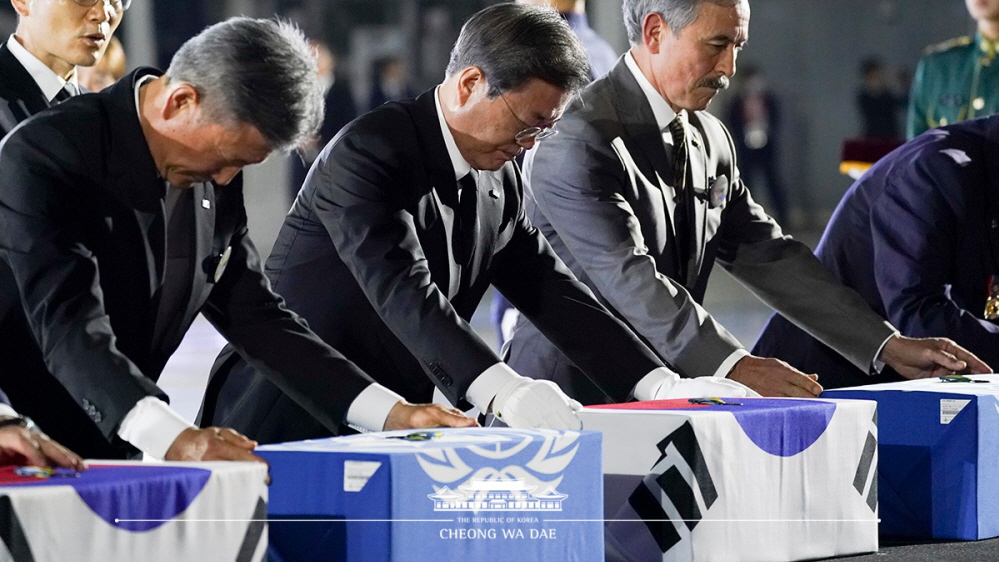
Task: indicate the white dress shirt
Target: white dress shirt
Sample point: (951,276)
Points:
(48,81)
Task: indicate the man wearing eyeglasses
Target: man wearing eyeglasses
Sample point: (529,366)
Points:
(38,62)
(406,218)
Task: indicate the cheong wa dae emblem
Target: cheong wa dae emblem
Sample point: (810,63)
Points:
(514,472)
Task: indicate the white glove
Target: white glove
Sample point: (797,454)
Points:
(528,403)
(702,387)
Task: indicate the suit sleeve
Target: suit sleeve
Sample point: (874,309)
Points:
(786,275)
(364,190)
(276,341)
(914,226)
(42,238)
(538,284)
(578,182)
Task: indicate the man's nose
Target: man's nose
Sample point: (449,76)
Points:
(102,10)
(726,64)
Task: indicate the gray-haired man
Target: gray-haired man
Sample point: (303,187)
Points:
(640,195)
(122,218)
(412,211)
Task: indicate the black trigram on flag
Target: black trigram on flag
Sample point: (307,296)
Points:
(865,468)
(665,477)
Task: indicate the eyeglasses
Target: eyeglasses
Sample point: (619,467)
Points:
(118,5)
(530,132)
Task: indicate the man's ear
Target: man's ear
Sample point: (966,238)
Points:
(183,101)
(654,32)
(467,81)
(22,7)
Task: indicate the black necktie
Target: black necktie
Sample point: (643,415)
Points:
(466,228)
(62,95)
(681,215)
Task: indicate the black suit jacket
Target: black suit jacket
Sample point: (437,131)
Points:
(363,255)
(81,229)
(20,96)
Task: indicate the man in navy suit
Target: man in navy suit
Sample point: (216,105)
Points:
(411,213)
(918,237)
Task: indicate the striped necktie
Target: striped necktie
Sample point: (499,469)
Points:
(682,213)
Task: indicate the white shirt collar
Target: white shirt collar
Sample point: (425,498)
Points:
(461,166)
(48,81)
(663,112)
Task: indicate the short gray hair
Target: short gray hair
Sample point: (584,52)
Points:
(677,13)
(256,71)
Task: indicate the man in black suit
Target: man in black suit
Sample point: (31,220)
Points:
(640,195)
(118,231)
(38,62)
(408,216)
(37,70)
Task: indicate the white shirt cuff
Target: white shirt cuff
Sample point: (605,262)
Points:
(7,411)
(729,363)
(371,407)
(650,383)
(484,388)
(152,426)
(877,364)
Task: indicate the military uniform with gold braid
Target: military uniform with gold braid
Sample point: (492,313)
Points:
(955,80)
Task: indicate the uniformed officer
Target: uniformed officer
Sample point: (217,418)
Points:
(958,79)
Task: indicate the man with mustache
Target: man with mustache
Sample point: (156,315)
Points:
(639,194)
(408,216)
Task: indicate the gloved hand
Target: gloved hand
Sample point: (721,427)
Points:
(702,387)
(528,403)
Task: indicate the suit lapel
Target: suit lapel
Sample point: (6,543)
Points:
(639,124)
(19,90)
(204,231)
(699,201)
(132,174)
(441,194)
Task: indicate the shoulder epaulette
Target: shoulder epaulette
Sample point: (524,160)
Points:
(948,45)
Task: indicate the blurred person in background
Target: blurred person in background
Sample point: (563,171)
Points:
(958,79)
(340,109)
(388,81)
(754,120)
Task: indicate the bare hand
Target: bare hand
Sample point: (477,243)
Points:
(212,444)
(773,377)
(21,446)
(919,358)
(410,416)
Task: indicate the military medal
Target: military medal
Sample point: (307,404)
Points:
(992,302)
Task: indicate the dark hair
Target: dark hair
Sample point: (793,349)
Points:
(870,65)
(677,13)
(255,71)
(513,43)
